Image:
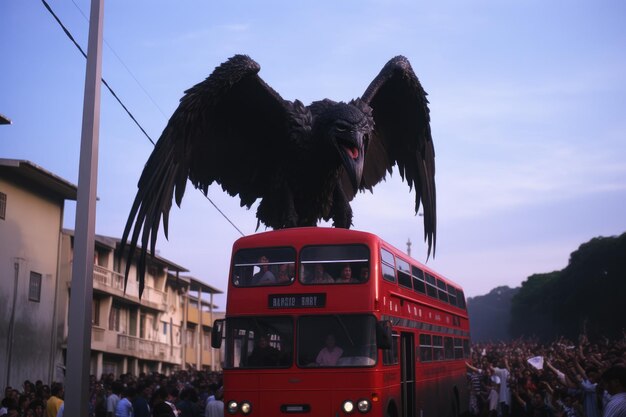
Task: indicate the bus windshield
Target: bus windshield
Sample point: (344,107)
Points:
(334,264)
(258,342)
(339,340)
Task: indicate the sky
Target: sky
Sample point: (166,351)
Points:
(527,102)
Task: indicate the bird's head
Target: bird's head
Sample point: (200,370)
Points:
(347,128)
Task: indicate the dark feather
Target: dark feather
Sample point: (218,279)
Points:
(304,163)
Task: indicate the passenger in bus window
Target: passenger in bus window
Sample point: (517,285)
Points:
(285,273)
(263,354)
(365,274)
(330,353)
(264,276)
(320,276)
(346,275)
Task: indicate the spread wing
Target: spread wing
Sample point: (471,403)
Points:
(231,129)
(402,137)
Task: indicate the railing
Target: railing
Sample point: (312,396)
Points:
(108,278)
(114,280)
(155,296)
(97,334)
(155,350)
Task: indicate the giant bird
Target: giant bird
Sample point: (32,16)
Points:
(304,163)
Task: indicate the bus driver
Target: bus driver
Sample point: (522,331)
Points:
(330,353)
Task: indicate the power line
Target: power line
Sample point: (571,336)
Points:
(126,67)
(69,35)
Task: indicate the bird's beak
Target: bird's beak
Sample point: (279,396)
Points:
(352,156)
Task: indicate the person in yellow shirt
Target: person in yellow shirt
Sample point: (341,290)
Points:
(56,399)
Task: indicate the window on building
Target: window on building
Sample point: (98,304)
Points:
(95,312)
(34,287)
(206,341)
(3,205)
(191,336)
(114,318)
(165,328)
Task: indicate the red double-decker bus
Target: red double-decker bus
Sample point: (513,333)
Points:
(334,322)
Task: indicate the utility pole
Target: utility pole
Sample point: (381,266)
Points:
(79,337)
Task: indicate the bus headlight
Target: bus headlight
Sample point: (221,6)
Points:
(363,406)
(246,407)
(348,406)
(232,407)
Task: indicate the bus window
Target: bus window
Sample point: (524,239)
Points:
(264,266)
(448,348)
(404,273)
(452,295)
(431,288)
(334,264)
(437,348)
(442,292)
(258,342)
(388,266)
(426,349)
(458,348)
(460,299)
(466,348)
(418,280)
(390,356)
(340,340)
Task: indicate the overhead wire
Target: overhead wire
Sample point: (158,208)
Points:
(69,35)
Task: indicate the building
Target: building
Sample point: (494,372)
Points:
(171,321)
(31,219)
(129,334)
(198,323)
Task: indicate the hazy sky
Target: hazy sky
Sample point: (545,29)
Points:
(528,106)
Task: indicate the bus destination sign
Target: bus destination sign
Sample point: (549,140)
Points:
(297,300)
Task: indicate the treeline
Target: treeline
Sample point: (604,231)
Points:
(587,296)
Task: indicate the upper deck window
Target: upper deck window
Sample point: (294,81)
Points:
(442,291)
(418,280)
(431,285)
(404,273)
(334,264)
(388,265)
(460,299)
(264,266)
(452,295)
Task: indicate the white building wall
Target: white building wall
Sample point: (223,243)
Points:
(29,241)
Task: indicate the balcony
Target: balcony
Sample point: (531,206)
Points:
(148,349)
(193,316)
(113,283)
(107,278)
(112,342)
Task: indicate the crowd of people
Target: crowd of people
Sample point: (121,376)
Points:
(522,378)
(182,394)
(561,379)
